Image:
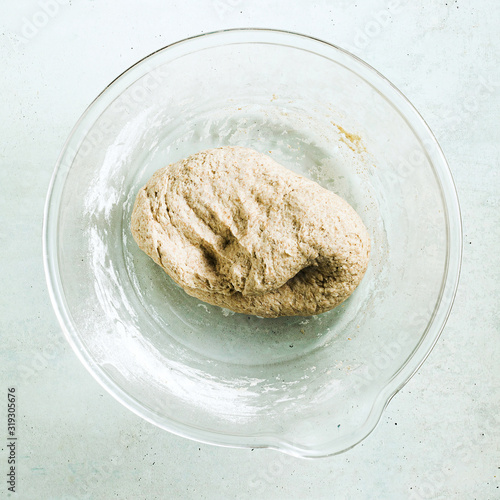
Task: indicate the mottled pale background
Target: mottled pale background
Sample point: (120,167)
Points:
(439,437)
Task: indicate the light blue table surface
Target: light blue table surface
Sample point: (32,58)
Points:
(440,436)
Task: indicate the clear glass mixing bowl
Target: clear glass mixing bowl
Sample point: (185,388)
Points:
(308,386)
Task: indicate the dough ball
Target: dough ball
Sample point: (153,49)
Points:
(238,230)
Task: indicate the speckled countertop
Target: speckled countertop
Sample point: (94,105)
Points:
(440,436)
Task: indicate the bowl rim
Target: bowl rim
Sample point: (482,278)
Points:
(429,337)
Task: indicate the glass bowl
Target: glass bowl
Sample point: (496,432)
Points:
(308,386)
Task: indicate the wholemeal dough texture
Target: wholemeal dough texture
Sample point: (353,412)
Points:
(238,230)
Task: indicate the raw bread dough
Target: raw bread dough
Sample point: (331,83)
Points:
(238,230)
